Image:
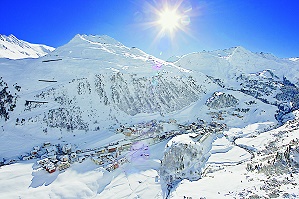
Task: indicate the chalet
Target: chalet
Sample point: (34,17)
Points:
(78,151)
(101,151)
(81,159)
(112,166)
(172,121)
(119,130)
(136,131)
(188,127)
(193,135)
(44,156)
(154,122)
(33,152)
(47,144)
(53,158)
(182,127)
(37,148)
(162,137)
(63,165)
(156,138)
(33,156)
(193,126)
(51,60)
(26,158)
(196,137)
(50,167)
(43,161)
(126,145)
(112,149)
(104,156)
(73,157)
(64,158)
(97,160)
(127,132)
(157,179)
(109,158)
(51,149)
(86,155)
(190,130)
(51,153)
(92,153)
(115,165)
(10,161)
(150,124)
(122,161)
(148,141)
(145,155)
(67,148)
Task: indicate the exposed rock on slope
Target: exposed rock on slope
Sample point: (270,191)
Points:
(185,158)
(8,99)
(221,100)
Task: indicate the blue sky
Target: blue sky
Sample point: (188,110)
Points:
(258,25)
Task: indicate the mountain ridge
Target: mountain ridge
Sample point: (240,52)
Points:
(14,48)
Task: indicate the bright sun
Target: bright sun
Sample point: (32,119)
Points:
(169,20)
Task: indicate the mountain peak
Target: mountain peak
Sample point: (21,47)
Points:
(11,36)
(94,39)
(294,59)
(12,39)
(13,48)
(238,50)
(100,47)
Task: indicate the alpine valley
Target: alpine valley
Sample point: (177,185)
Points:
(97,119)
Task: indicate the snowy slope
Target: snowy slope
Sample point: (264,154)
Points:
(91,84)
(267,165)
(229,63)
(13,48)
(105,84)
(111,76)
(94,92)
(260,75)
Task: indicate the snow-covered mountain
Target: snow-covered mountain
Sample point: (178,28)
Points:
(14,48)
(125,124)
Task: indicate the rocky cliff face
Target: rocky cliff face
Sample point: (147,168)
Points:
(126,93)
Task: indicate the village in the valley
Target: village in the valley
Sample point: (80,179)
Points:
(138,138)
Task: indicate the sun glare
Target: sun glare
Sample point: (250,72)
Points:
(169,20)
